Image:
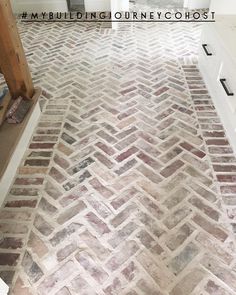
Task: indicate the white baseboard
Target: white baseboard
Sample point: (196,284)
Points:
(9,174)
(20,6)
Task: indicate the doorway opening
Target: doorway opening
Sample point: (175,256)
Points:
(161,4)
(75,5)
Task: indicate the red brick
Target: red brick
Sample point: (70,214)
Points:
(126,154)
(28,181)
(172,168)
(93,268)
(127,251)
(98,186)
(224,168)
(211,228)
(105,148)
(193,150)
(41,146)
(10,259)
(104,160)
(149,161)
(97,223)
(21,204)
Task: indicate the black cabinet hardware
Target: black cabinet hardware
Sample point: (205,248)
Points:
(223,83)
(204,46)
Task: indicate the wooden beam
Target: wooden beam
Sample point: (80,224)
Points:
(4,106)
(13,62)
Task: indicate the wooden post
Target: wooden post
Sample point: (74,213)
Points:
(13,62)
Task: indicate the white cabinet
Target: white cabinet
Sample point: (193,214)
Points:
(227,85)
(217,63)
(209,52)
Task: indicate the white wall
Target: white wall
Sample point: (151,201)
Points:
(61,5)
(197,4)
(106,5)
(117,6)
(122,5)
(223,6)
(98,5)
(39,5)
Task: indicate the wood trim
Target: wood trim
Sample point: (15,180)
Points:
(13,62)
(4,106)
(10,135)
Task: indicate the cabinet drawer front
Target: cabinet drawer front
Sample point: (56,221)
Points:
(226,83)
(209,53)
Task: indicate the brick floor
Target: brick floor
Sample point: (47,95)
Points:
(127,186)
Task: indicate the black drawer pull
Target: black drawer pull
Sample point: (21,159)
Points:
(222,81)
(204,46)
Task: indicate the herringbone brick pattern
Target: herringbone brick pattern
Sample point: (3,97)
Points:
(128,183)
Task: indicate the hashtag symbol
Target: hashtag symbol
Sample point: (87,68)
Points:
(24,15)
